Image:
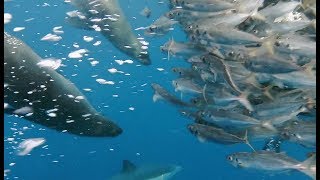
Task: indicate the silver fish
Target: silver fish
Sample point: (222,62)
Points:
(271,161)
(161,93)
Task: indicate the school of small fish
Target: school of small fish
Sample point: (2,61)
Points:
(251,78)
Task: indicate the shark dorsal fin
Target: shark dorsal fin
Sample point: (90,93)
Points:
(128,166)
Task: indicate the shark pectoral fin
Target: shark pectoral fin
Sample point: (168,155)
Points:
(156,97)
(78,21)
(201,139)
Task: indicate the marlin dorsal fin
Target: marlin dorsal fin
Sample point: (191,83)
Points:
(128,166)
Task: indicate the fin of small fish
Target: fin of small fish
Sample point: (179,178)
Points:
(306,166)
(245,138)
(204,93)
(243,99)
(266,46)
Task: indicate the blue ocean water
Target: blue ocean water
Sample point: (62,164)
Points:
(153,132)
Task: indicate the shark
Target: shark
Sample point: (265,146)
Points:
(43,96)
(146,172)
(107,17)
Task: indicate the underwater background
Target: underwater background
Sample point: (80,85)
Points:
(153,132)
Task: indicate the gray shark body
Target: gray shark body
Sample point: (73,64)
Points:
(45,91)
(146,172)
(108,17)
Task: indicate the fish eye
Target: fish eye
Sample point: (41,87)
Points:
(230,158)
(180,72)
(285,134)
(255,31)
(231,53)
(277,43)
